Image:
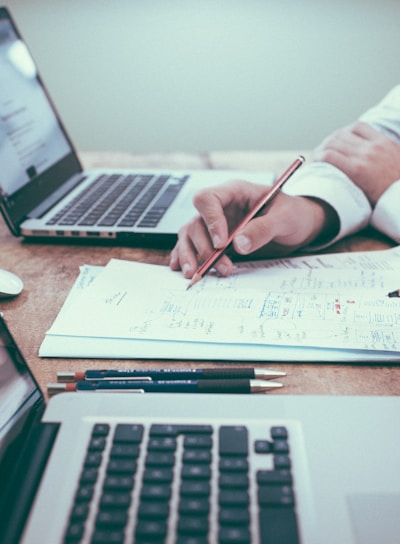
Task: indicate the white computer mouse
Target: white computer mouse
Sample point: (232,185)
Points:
(10,284)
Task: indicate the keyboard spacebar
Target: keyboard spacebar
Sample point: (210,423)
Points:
(278,526)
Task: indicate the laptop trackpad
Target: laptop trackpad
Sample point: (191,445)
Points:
(375,517)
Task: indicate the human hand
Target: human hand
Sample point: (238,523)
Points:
(287,223)
(369,158)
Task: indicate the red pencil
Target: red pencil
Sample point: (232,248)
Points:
(270,194)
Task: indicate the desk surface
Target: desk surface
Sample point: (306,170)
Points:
(49,271)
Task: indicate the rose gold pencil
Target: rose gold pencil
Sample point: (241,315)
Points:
(263,201)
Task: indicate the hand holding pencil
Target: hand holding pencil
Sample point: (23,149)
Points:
(236,214)
(263,201)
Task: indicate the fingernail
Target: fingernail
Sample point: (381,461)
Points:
(216,240)
(243,244)
(222,269)
(186,268)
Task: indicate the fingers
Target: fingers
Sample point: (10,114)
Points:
(223,206)
(286,224)
(220,209)
(193,247)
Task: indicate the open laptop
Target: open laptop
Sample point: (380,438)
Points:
(194,468)
(44,191)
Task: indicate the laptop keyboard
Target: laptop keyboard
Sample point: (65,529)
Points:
(122,201)
(185,484)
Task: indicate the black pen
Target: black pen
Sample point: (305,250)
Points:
(167,386)
(172,374)
(394,294)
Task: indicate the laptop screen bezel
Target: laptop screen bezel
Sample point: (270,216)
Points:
(17,206)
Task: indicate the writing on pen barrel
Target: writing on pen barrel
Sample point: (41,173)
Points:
(258,207)
(394,294)
(171,374)
(167,386)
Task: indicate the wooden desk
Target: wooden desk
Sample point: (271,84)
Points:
(49,270)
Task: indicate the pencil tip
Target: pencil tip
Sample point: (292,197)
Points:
(193,281)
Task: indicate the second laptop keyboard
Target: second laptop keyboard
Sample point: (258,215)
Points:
(124,201)
(185,484)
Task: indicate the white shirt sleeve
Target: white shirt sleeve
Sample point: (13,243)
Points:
(386,216)
(325,182)
(385,117)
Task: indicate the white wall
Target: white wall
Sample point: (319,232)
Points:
(194,75)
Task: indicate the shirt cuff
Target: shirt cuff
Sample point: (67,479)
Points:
(323,181)
(386,216)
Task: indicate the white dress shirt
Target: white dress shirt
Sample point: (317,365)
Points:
(325,182)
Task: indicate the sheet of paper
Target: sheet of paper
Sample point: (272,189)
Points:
(312,304)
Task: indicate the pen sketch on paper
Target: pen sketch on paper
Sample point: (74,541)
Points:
(325,301)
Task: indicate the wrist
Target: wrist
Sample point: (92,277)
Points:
(326,223)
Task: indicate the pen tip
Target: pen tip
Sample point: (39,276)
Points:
(266,374)
(261,386)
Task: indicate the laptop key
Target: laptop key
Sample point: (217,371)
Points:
(115,499)
(271,477)
(121,466)
(233,440)
(234,497)
(128,433)
(278,526)
(233,464)
(124,450)
(282,461)
(74,532)
(108,537)
(151,529)
(153,510)
(234,516)
(195,488)
(193,525)
(239,535)
(276,495)
(108,518)
(160,459)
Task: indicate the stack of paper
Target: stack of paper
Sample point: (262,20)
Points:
(315,308)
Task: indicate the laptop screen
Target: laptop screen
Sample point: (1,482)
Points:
(19,394)
(21,407)
(36,154)
(31,139)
